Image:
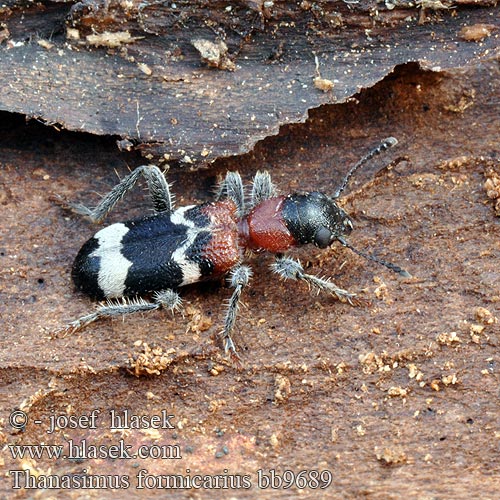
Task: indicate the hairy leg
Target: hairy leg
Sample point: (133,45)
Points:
(262,188)
(239,279)
(232,188)
(167,299)
(157,185)
(292,269)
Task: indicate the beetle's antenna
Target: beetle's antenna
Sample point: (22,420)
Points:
(385,144)
(367,256)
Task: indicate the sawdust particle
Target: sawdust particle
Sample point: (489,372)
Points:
(282,389)
(485,317)
(391,456)
(448,338)
(476,32)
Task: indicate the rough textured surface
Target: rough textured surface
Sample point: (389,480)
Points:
(194,81)
(398,399)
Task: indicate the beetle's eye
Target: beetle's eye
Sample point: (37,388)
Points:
(323,237)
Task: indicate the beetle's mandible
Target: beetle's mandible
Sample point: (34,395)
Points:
(139,265)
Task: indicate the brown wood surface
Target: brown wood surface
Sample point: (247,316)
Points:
(398,399)
(61,64)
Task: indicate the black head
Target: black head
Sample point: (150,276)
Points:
(315,218)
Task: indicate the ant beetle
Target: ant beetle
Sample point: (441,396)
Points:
(154,256)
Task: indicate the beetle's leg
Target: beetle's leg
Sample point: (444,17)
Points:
(239,278)
(158,189)
(163,200)
(167,299)
(292,269)
(262,188)
(232,188)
